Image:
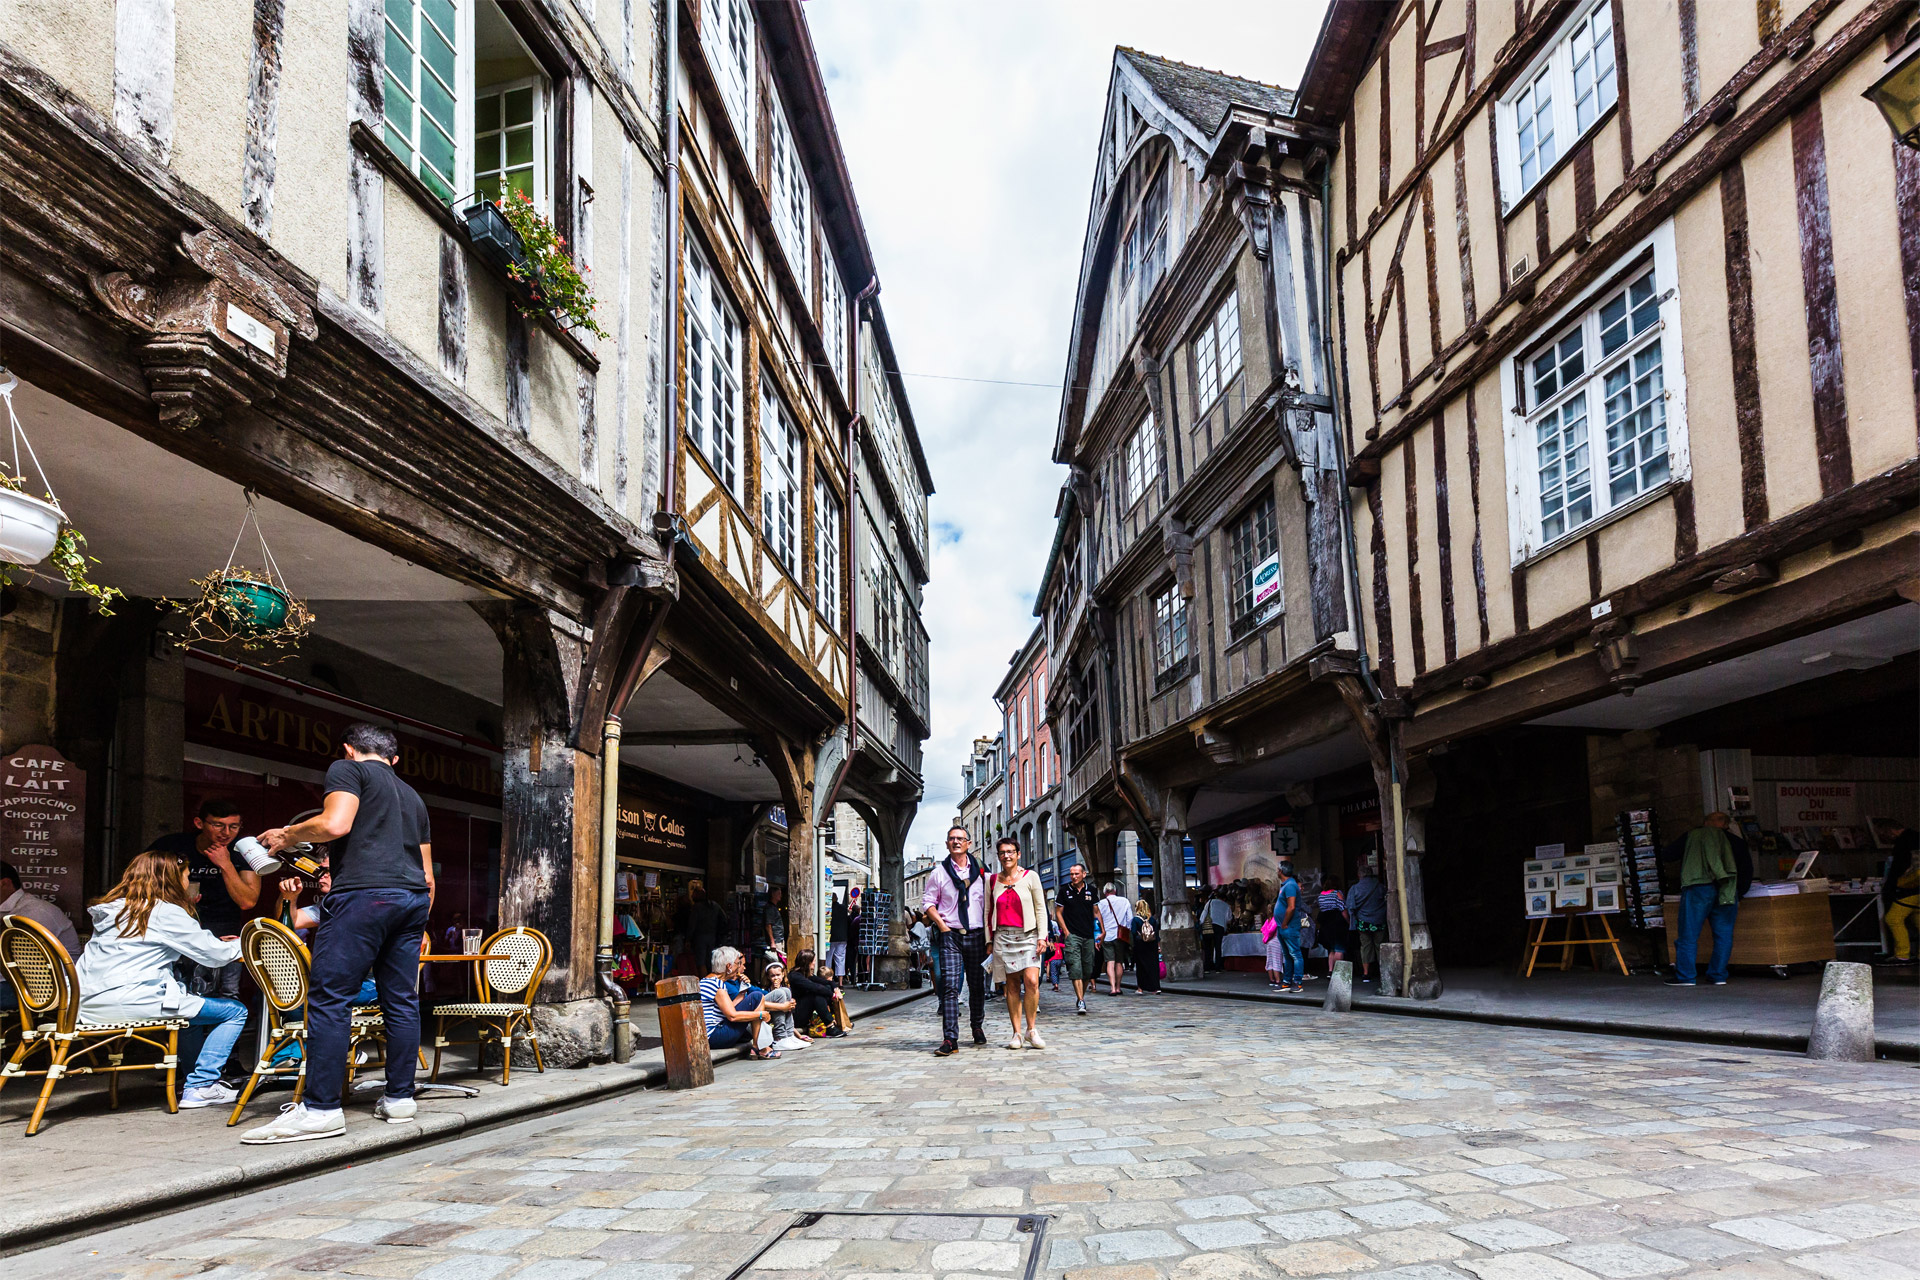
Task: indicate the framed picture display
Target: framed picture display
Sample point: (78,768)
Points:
(1581,861)
(1606,897)
(1559,864)
(1545,880)
(1803,864)
(1539,904)
(1606,875)
(1574,879)
(1564,897)
(1606,859)
(1540,864)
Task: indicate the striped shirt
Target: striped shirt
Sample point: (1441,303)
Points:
(709,1004)
(1330,900)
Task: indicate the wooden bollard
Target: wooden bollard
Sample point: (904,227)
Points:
(683,1033)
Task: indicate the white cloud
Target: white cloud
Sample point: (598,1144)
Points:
(971,128)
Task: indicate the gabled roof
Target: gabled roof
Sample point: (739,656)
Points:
(1203,96)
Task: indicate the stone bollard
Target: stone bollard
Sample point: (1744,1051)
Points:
(1339,988)
(1843,1022)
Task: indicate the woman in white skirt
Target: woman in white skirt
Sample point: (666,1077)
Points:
(1015,927)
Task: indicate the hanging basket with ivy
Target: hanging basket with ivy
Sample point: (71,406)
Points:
(520,241)
(36,530)
(244,607)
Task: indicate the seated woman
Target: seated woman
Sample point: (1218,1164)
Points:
(780,1003)
(814,995)
(142,926)
(733,1020)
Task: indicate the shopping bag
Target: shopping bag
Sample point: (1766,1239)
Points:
(840,1018)
(1268,928)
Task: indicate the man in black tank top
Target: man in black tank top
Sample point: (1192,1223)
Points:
(372,918)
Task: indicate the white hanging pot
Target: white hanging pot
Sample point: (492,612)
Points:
(28,528)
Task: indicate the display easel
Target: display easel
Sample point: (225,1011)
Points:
(1537,939)
(873,936)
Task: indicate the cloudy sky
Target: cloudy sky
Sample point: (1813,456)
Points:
(971,127)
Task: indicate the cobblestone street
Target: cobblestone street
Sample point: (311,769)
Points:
(1177,1137)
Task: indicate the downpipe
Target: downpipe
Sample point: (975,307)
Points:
(618,1000)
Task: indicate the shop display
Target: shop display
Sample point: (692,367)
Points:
(873,935)
(1638,849)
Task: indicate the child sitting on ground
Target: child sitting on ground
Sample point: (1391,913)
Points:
(780,1003)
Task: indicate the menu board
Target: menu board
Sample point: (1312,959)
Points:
(43,825)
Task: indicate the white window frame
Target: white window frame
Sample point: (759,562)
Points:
(829,523)
(542,135)
(1553,72)
(461,178)
(715,411)
(1142,460)
(833,318)
(1525,533)
(1216,352)
(1172,629)
(790,196)
(781,462)
(727,32)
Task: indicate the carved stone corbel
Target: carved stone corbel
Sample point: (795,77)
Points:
(1179,541)
(213,334)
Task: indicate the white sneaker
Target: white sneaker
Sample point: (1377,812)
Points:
(216,1094)
(297,1124)
(1018,1041)
(395,1110)
(1079,1006)
(791,1042)
(1034,1041)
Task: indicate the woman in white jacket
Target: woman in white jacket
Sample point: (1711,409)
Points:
(140,928)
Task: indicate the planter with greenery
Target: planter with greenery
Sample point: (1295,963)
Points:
(36,530)
(247,608)
(521,243)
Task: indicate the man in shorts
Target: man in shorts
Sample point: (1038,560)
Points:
(1073,909)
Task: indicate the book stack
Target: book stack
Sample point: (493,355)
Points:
(1640,868)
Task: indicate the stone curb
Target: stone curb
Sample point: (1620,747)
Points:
(366,1141)
(1890,1050)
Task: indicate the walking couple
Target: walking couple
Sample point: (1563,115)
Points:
(987,925)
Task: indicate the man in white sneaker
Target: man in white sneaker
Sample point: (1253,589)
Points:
(372,918)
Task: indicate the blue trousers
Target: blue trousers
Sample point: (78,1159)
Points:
(1294,965)
(962,956)
(221,1021)
(1697,907)
(729,1034)
(361,930)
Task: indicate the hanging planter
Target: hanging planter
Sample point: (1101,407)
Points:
(244,607)
(32,530)
(500,247)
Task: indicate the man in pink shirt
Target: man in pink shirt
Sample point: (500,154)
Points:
(956,907)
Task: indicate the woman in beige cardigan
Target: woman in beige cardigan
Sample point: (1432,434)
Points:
(1016,923)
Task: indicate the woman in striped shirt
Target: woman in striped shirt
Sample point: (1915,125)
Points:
(732,1009)
(1332,926)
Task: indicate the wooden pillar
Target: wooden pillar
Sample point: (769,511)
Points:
(1179,932)
(549,863)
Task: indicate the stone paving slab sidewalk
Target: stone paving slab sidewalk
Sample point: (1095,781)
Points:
(1755,1012)
(89,1167)
(1162,1139)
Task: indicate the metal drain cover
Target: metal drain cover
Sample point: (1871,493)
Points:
(924,1243)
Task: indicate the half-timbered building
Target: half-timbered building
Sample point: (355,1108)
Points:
(1628,336)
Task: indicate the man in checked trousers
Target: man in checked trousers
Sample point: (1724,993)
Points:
(956,907)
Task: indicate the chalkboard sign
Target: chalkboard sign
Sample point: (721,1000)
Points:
(43,825)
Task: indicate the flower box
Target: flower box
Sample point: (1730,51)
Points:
(501,248)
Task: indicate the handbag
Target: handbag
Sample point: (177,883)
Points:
(1268,928)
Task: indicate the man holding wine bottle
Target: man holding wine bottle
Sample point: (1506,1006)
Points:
(372,918)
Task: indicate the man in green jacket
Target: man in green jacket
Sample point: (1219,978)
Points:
(1709,895)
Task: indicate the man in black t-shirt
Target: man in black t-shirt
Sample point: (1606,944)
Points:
(373,917)
(228,890)
(1074,907)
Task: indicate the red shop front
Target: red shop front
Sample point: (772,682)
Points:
(265,742)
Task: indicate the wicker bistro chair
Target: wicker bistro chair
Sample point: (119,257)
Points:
(507,974)
(279,963)
(42,975)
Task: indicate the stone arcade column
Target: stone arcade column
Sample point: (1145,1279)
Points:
(549,853)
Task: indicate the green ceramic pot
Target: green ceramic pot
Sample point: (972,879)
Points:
(257,607)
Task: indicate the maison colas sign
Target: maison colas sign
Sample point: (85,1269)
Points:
(660,832)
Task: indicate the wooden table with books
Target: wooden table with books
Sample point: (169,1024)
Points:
(1770,932)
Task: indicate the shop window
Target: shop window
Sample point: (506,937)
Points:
(1562,95)
(779,477)
(713,371)
(1170,644)
(1216,352)
(1253,549)
(828,530)
(726,32)
(1142,460)
(1594,408)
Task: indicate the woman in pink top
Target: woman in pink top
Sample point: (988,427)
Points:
(1015,921)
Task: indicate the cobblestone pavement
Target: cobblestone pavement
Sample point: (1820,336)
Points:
(1172,1136)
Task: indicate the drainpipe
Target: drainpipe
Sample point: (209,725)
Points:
(666,526)
(1353,578)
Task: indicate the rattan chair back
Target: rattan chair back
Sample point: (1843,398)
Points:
(278,962)
(516,961)
(41,973)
